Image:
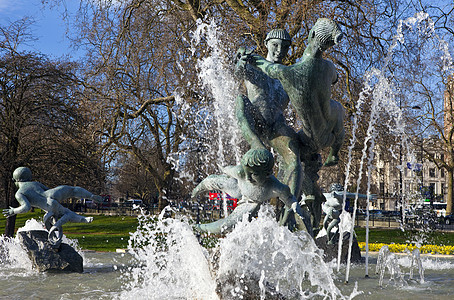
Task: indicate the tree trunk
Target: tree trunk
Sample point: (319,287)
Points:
(10,221)
(450,187)
(10,226)
(162,203)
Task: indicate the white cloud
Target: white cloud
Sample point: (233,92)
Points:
(5,4)
(10,6)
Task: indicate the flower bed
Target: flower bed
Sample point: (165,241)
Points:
(399,248)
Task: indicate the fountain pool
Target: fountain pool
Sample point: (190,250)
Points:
(186,271)
(166,260)
(103,279)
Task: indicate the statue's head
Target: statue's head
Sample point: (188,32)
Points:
(22,174)
(258,164)
(277,42)
(326,33)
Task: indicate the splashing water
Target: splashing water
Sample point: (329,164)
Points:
(216,76)
(171,264)
(12,255)
(416,263)
(214,122)
(388,261)
(384,106)
(394,264)
(289,262)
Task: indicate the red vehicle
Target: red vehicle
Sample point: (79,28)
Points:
(218,199)
(107,201)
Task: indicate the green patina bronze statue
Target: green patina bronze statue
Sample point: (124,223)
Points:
(308,85)
(35,194)
(270,86)
(260,114)
(333,208)
(253,183)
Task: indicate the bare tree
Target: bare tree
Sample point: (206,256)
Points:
(41,124)
(138,60)
(132,180)
(134,66)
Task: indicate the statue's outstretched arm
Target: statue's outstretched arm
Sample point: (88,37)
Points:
(229,222)
(234,171)
(24,207)
(302,218)
(243,68)
(223,183)
(273,70)
(282,191)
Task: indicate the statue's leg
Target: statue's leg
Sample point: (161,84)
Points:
(55,236)
(309,169)
(286,218)
(226,224)
(286,142)
(312,164)
(317,208)
(70,216)
(331,235)
(338,132)
(303,222)
(309,159)
(339,135)
(56,231)
(325,223)
(49,220)
(248,121)
(63,192)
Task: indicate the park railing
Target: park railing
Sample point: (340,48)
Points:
(203,212)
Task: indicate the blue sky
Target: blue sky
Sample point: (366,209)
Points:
(49,27)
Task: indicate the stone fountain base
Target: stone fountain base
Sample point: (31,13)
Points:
(45,258)
(331,251)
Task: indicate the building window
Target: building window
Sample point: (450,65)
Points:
(431,172)
(432,187)
(419,156)
(407,187)
(382,188)
(442,172)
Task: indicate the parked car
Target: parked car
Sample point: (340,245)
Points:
(131,202)
(392,213)
(89,203)
(449,219)
(376,212)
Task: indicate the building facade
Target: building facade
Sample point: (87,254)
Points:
(398,177)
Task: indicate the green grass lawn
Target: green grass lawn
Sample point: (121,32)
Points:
(105,233)
(396,236)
